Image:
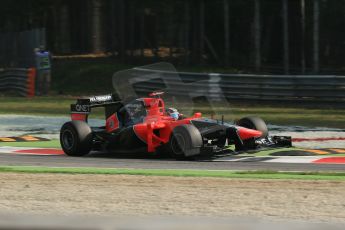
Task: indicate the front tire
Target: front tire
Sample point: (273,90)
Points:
(185,141)
(254,123)
(76,138)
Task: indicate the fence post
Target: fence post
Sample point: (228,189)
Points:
(31,82)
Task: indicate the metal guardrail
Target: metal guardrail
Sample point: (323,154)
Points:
(19,81)
(316,88)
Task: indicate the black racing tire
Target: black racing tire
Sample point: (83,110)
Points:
(254,123)
(76,138)
(185,141)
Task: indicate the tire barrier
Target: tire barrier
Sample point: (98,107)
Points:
(305,88)
(19,81)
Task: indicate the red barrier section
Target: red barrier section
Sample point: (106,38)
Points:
(330,160)
(31,82)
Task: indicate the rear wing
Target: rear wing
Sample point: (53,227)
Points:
(81,109)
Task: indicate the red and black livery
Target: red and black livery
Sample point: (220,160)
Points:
(143,125)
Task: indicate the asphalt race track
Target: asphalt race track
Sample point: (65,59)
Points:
(106,161)
(17,125)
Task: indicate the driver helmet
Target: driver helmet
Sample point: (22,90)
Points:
(172,112)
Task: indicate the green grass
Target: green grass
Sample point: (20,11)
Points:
(278,114)
(35,106)
(283,114)
(47,106)
(181,173)
(34,144)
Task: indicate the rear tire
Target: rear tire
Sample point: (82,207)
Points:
(254,123)
(185,141)
(76,138)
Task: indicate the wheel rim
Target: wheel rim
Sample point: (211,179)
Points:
(178,144)
(67,139)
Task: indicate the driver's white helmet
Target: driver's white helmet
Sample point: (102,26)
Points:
(172,112)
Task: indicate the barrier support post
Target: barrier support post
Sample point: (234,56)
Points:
(31,82)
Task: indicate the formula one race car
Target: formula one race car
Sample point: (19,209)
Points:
(145,125)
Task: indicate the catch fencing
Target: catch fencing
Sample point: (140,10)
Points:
(18,81)
(303,88)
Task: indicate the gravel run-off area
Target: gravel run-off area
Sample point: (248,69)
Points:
(104,195)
